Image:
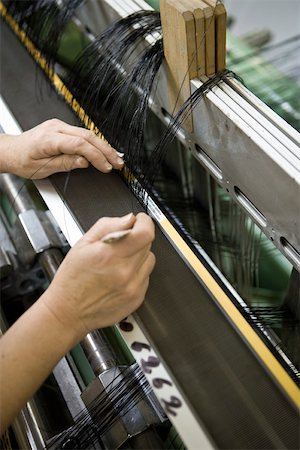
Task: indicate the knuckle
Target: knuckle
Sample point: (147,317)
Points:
(104,222)
(53,122)
(52,143)
(148,235)
(79,141)
(66,164)
(152,261)
(123,278)
(131,292)
(138,301)
(88,134)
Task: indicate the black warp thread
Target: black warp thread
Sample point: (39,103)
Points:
(44,22)
(128,387)
(114,86)
(177,122)
(102,68)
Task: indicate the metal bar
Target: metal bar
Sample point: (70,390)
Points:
(98,352)
(233,143)
(16,191)
(254,163)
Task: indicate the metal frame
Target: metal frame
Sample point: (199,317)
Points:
(248,149)
(256,145)
(191,432)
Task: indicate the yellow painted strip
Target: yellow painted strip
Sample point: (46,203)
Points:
(241,323)
(254,340)
(54,78)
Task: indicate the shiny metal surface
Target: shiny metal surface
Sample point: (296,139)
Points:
(16,191)
(5,264)
(156,321)
(98,352)
(33,232)
(257,164)
(36,226)
(50,261)
(27,431)
(7,251)
(247,147)
(131,417)
(69,387)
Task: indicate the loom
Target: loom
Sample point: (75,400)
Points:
(204,367)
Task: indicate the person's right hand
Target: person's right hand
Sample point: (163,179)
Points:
(100,284)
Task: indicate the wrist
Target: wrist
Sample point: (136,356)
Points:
(64,319)
(8,148)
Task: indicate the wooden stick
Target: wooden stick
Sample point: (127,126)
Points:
(220,33)
(209,19)
(200,36)
(180,50)
(194,33)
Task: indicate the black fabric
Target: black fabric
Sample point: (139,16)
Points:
(229,390)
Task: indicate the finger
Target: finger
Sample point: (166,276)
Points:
(141,282)
(142,235)
(134,262)
(107,225)
(146,268)
(102,146)
(61,163)
(141,258)
(115,158)
(67,144)
(138,241)
(65,163)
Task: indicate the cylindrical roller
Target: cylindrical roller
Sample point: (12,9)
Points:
(16,192)
(50,261)
(98,352)
(5,264)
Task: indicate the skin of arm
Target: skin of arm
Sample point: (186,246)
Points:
(55,146)
(97,285)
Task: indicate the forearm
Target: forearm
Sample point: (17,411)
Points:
(29,350)
(7,143)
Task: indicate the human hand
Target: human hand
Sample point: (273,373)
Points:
(55,146)
(99,284)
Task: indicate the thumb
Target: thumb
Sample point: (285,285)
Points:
(65,163)
(108,225)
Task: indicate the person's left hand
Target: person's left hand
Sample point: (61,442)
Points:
(55,146)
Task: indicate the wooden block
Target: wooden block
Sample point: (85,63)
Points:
(209,20)
(180,50)
(220,33)
(200,36)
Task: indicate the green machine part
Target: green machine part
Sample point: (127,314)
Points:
(154,4)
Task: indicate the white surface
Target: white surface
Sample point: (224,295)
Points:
(281,17)
(165,389)
(60,212)
(8,122)
(185,422)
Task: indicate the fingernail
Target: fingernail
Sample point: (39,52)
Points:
(120,154)
(108,166)
(120,161)
(115,236)
(127,217)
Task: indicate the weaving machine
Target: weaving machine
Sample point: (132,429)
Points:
(222,375)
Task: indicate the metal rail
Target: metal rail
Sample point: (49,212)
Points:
(247,148)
